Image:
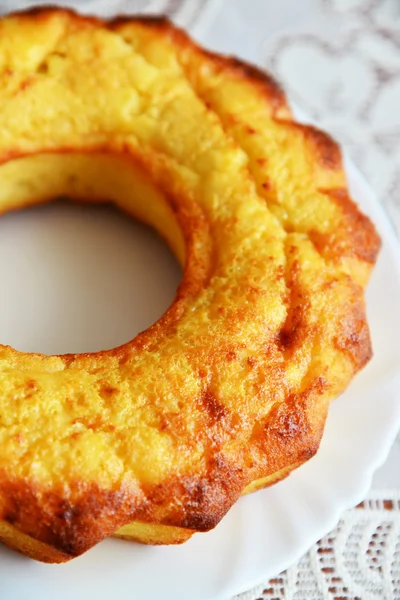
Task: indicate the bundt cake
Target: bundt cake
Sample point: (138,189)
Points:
(229,390)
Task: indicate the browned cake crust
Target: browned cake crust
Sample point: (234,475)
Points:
(230,388)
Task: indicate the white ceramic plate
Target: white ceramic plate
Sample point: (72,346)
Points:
(132,277)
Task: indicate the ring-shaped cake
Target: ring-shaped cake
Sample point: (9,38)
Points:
(229,390)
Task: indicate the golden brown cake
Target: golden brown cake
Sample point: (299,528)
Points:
(229,390)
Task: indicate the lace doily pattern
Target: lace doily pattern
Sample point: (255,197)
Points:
(343,66)
(359,560)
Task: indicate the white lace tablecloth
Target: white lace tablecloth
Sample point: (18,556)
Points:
(339,60)
(359,560)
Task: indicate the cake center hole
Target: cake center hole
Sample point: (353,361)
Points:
(78,278)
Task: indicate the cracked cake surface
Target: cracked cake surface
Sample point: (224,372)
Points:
(229,390)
